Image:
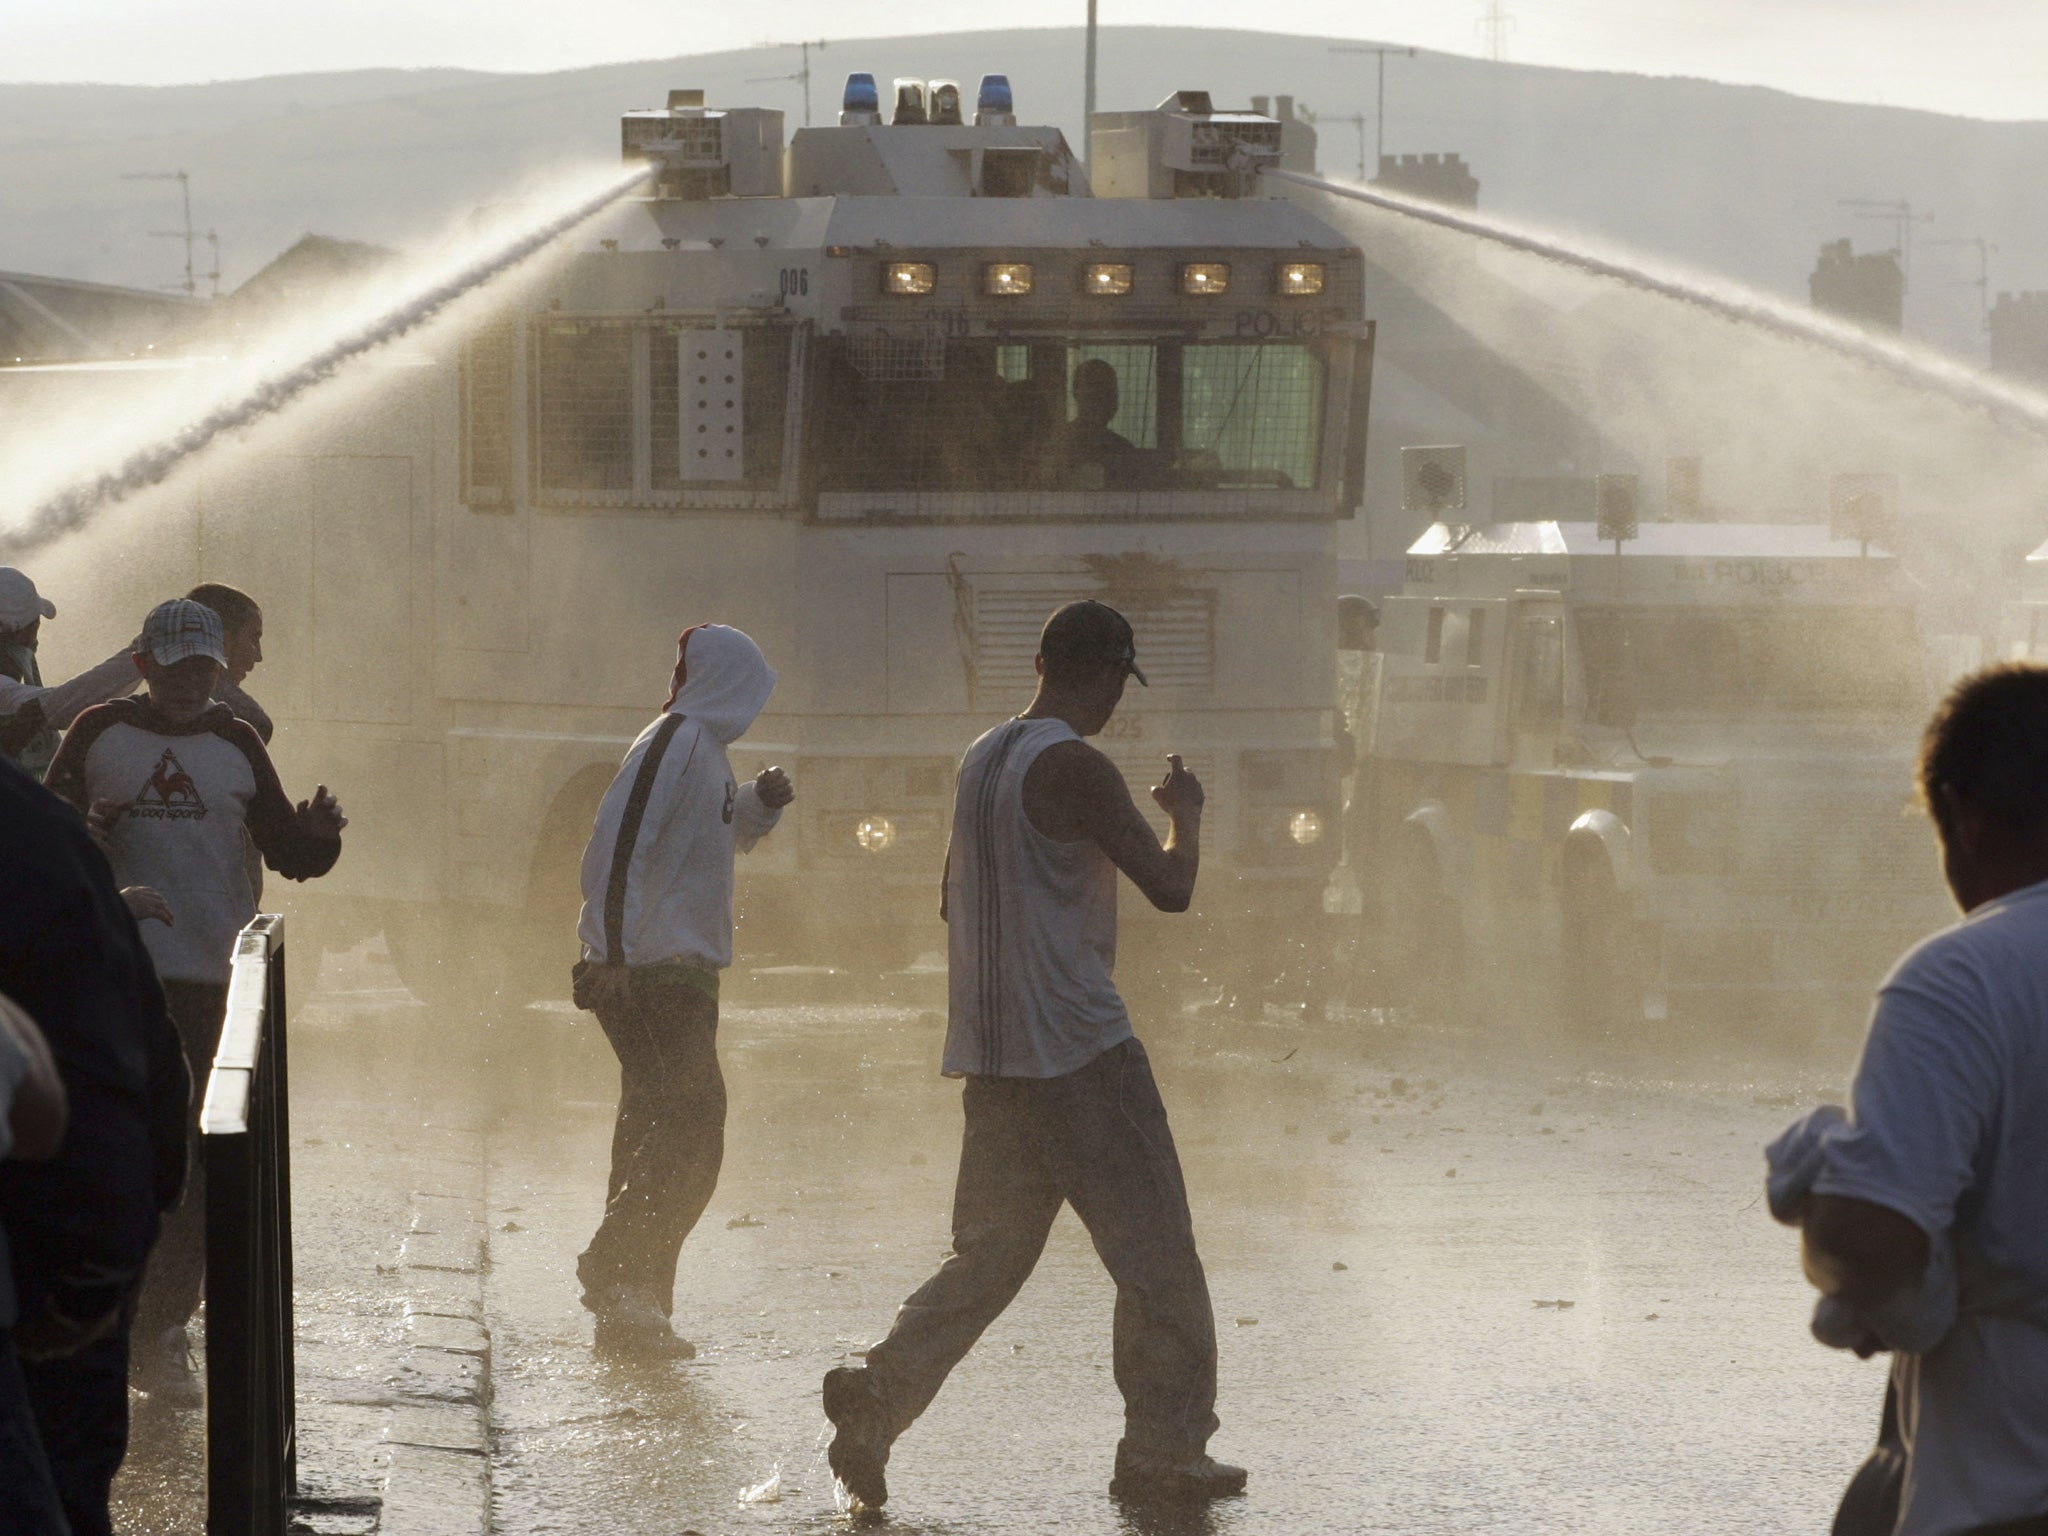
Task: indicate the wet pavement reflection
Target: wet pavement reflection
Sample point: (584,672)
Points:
(1460,1287)
(1465,1282)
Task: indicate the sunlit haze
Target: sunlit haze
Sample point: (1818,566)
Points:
(1976,59)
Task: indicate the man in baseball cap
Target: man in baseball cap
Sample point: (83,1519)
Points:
(177,789)
(1060,1105)
(1086,635)
(31,715)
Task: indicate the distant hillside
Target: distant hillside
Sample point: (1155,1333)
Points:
(1738,180)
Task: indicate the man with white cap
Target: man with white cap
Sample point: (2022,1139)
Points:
(31,714)
(173,783)
(656,930)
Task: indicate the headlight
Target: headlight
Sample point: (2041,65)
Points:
(1301,278)
(876,834)
(1111,279)
(1305,827)
(1204,277)
(1001,278)
(909,277)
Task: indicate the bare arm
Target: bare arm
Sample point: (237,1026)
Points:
(1083,796)
(1859,1251)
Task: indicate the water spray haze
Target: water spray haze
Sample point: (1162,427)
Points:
(315,357)
(2006,404)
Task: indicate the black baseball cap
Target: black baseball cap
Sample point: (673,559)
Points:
(1088,633)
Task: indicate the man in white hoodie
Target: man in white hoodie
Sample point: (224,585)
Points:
(656,931)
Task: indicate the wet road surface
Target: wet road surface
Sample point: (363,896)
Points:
(1458,1289)
(1465,1282)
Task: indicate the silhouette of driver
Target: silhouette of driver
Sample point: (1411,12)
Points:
(1089,438)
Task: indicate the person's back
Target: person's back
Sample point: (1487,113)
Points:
(1031,935)
(1929,1200)
(1951,1130)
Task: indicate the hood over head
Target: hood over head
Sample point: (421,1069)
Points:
(722,681)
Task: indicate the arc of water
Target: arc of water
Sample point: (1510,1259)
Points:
(72,507)
(2007,404)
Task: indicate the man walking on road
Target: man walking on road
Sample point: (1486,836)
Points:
(1060,1102)
(656,931)
(1947,1136)
(178,788)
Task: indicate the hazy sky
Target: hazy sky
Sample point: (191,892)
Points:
(1980,57)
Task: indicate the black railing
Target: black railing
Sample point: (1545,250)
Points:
(245,1130)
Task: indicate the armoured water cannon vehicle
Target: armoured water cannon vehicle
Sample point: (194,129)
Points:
(884,393)
(1667,776)
(2025,625)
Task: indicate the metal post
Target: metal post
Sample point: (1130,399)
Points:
(1088,99)
(245,1137)
(1379,112)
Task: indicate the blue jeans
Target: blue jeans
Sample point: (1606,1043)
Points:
(1096,1139)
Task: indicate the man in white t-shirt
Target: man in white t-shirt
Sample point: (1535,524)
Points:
(1948,1132)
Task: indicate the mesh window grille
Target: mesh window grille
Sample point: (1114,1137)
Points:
(917,414)
(583,409)
(487,416)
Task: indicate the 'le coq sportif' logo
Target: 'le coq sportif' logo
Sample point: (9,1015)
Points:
(168,794)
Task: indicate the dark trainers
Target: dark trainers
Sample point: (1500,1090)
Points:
(630,1322)
(1141,1476)
(860,1446)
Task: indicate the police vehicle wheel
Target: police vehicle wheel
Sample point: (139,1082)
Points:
(1602,990)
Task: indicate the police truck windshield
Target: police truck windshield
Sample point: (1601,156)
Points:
(911,414)
(1652,661)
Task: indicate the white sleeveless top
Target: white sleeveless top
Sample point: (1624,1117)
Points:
(1031,925)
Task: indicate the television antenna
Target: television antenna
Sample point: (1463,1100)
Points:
(1379,100)
(801,73)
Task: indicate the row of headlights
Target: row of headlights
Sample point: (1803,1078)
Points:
(1102,279)
(877,834)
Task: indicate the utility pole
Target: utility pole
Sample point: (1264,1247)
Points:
(1494,25)
(188,234)
(1379,99)
(1088,99)
(1982,281)
(803,73)
(1898,212)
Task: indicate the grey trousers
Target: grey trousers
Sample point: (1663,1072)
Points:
(1096,1139)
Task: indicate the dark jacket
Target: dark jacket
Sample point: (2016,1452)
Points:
(80,1226)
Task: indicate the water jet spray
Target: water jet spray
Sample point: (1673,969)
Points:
(74,506)
(2004,403)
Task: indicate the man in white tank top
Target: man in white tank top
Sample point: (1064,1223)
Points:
(1060,1103)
